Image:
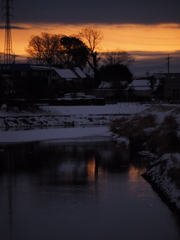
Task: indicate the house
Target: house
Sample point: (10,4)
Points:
(139,88)
(15,70)
(171,85)
(66,79)
(56,75)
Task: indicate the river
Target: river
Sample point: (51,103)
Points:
(51,190)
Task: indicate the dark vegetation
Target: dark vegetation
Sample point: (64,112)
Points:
(157,139)
(164,139)
(146,134)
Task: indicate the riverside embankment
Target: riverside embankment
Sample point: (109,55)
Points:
(155,133)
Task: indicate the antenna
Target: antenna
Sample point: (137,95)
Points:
(8,6)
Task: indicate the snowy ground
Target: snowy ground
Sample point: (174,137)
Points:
(61,134)
(62,122)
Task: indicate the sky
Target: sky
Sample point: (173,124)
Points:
(137,26)
(102,12)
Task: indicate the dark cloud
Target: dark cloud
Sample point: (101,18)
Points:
(109,11)
(14,27)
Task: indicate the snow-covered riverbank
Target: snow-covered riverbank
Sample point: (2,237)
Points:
(155,133)
(164,175)
(63,122)
(61,134)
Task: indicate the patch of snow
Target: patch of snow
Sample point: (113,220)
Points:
(73,134)
(163,172)
(120,140)
(147,154)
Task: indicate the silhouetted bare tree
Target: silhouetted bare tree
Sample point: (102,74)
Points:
(117,57)
(92,38)
(43,49)
(49,49)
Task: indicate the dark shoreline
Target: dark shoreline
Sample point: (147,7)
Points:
(161,194)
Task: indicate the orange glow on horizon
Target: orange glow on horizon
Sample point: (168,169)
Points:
(128,37)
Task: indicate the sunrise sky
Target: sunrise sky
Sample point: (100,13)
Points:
(146,30)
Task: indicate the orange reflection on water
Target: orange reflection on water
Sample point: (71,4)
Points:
(135,173)
(141,193)
(95,173)
(91,169)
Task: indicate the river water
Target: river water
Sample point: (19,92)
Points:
(80,190)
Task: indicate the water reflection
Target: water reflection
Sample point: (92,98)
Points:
(63,164)
(88,190)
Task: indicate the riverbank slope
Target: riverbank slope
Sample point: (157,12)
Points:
(66,116)
(155,133)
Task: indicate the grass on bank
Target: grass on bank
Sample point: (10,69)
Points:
(158,137)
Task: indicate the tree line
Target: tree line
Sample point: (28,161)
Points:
(78,50)
(58,50)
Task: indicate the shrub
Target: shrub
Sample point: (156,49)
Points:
(135,126)
(160,139)
(164,139)
(170,123)
(174,174)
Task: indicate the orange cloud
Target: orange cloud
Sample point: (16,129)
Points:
(129,37)
(143,37)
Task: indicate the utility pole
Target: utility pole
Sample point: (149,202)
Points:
(7,7)
(168,59)
(1,54)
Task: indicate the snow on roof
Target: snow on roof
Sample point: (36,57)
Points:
(140,83)
(139,88)
(79,72)
(65,73)
(159,75)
